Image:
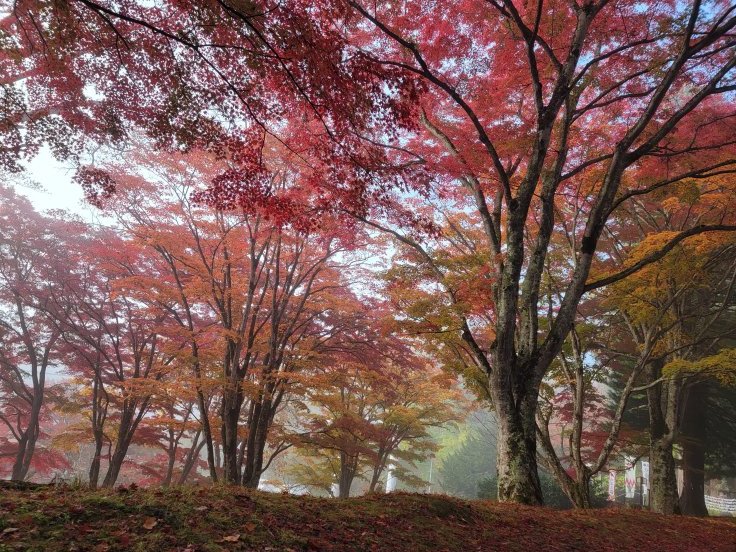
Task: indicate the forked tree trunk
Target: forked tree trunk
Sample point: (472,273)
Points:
(99,415)
(116,463)
(19,470)
(191,457)
(256,445)
(27,443)
(378,468)
(260,420)
(348,467)
(579,495)
(128,424)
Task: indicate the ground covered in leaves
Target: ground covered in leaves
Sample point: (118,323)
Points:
(49,519)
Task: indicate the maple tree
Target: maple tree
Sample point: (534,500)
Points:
(244,289)
(551,136)
(70,313)
(28,338)
(370,407)
(115,342)
(573,412)
(676,309)
(185,71)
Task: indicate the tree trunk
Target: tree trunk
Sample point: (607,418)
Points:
(19,473)
(27,444)
(99,415)
(232,402)
(129,421)
(249,461)
(206,428)
(191,458)
(518,479)
(257,447)
(348,467)
(94,468)
(116,463)
(378,468)
(692,499)
(663,497)
(171,456)
(579,495)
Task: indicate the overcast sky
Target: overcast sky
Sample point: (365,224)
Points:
(56,189)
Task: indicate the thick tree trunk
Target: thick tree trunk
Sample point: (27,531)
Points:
(348,467)
(231,405)
(27,445)
(19,473)
(663,495)
(518,478)
(692,499)
(661,401)
(579,495)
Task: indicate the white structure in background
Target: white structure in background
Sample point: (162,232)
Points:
(612,485)
(630,462)
(390,477)
(431,466)
(335,490)
(267,487)
(645,482)
(717,505)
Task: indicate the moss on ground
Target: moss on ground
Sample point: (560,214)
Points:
(50,519)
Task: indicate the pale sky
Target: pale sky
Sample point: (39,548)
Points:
(56,189)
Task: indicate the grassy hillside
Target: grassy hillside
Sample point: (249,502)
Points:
(217,518)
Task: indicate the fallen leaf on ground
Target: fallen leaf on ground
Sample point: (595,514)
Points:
(231,538)
(250,526)
(150,523)
(9,530)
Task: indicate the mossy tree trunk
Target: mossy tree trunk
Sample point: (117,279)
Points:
(662,400)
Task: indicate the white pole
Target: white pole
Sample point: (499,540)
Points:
(431,464)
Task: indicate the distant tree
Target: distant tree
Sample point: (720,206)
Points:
(29,340)
(372,404)
(677,309)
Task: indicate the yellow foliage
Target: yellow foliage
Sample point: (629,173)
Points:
(721,366)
